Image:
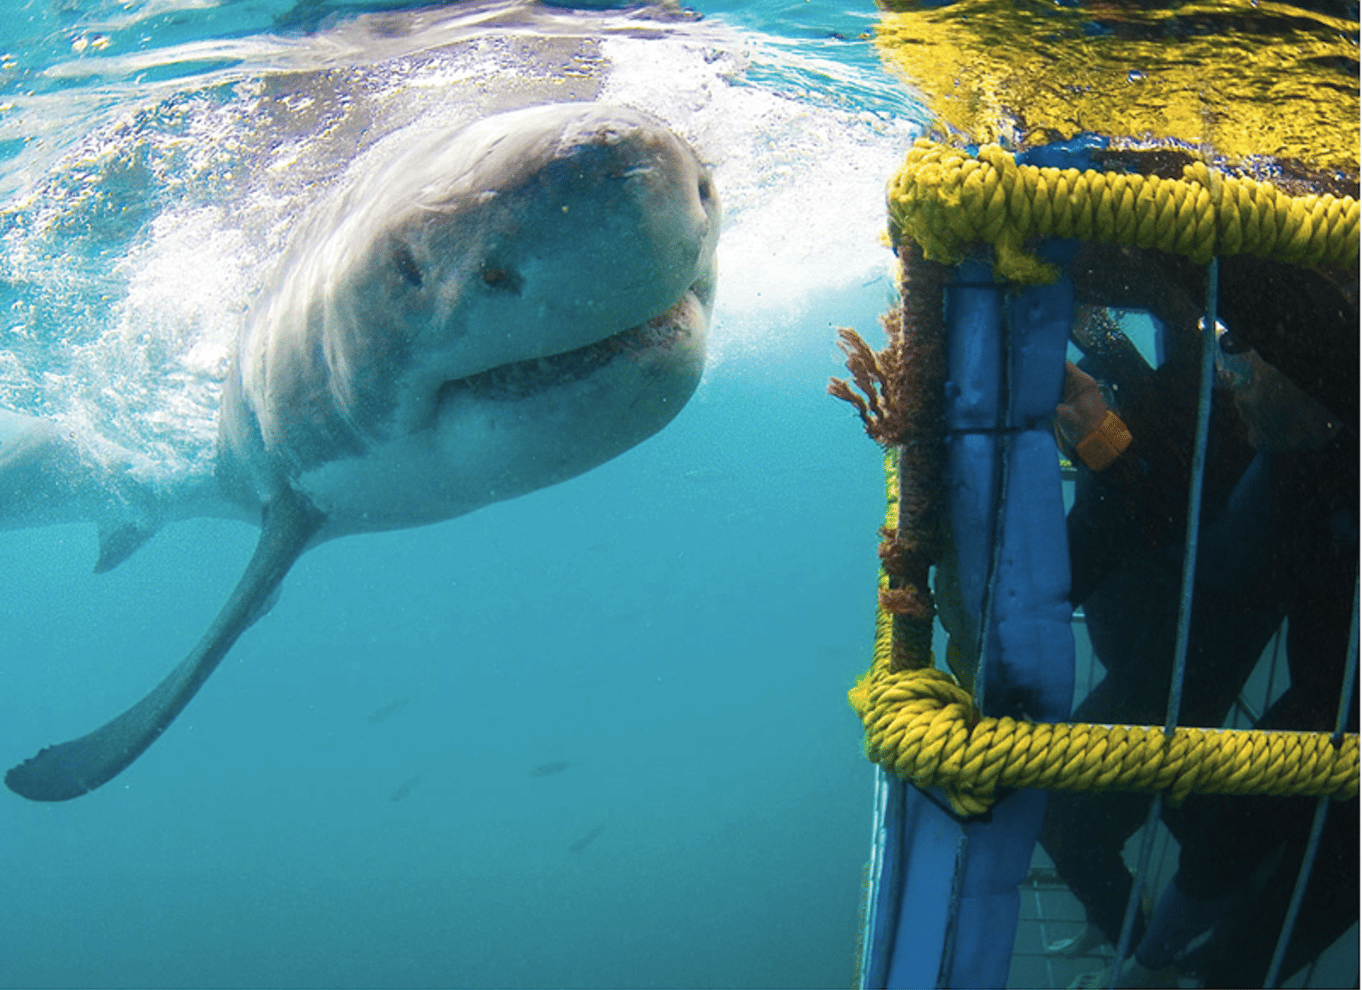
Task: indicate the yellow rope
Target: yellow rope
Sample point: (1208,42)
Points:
(947,200)
(1252,79)
(922,725)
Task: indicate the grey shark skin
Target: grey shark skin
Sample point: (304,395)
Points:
(490,313)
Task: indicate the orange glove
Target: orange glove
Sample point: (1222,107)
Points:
(1084,422)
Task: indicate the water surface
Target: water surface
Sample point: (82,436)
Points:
(353,800)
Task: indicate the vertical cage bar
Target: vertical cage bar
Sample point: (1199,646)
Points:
(1189,551)
(921,363)
(1321,809)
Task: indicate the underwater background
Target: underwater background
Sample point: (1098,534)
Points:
(596,736)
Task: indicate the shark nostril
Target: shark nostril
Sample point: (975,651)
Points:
(406,265)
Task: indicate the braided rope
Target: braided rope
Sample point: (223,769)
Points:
(946,200)
(921,725)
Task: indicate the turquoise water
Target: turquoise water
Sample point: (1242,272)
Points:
(366,793)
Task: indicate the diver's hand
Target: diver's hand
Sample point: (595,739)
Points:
(1082,409)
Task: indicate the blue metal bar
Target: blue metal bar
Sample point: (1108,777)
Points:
(1001,446)
(1349,673)
(1203,430)
(943,974)
(1189,549)
(1001,442)
(1321,810)
(1277,642)
(1133,902)
(920,861)
(874,951)
(1298,892)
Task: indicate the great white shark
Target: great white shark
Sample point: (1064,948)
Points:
(492,312)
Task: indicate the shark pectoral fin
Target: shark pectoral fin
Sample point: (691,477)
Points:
(70,769)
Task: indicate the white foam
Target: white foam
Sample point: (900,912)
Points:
(800,167)
(802,180)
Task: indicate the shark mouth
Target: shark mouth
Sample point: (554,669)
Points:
(519,379)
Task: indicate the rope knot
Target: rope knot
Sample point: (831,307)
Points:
(918,725)
(921,725)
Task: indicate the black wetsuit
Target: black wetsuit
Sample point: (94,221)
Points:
(1227,840)
(1279,540)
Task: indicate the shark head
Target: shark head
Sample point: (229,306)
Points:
(489,313)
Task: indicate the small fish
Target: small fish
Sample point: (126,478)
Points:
(626,615)
(705,475)
(586,840)
(406,787)
(549,769)
(388,710)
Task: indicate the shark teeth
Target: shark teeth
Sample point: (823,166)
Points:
(519,379)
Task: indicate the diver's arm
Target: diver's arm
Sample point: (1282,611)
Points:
(1093,432)
(1111,513)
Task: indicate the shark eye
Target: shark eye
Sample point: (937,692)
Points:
(406,264)
(500,279)
(705,188)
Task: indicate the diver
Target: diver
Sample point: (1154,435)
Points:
(1279,541)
